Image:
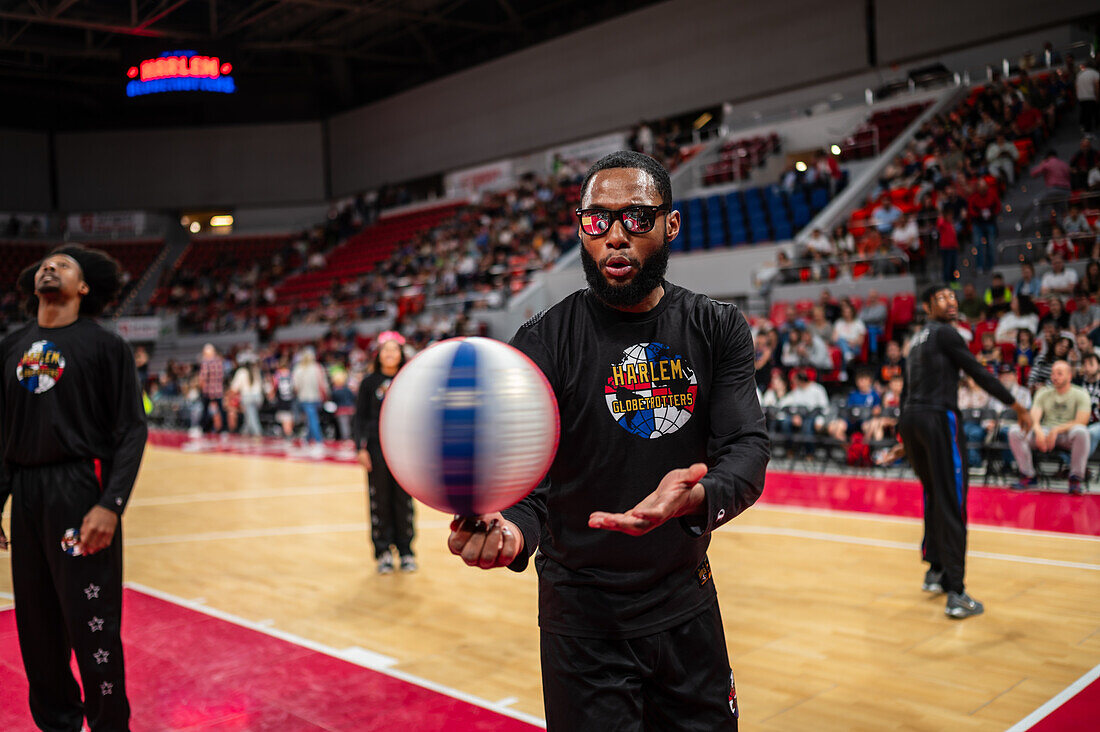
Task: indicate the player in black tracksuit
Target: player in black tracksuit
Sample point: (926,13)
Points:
(932,437)
(391,508)
(655,388)
(72,433)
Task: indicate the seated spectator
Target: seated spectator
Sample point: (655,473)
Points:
(1090,382)
(970,397)
(1091,284)
(1076,225)
(805,349)
(1084,346)
(777,389)
(849,332)
(1085,316)
(819,325)
(878,428)
(1028,284)
(863,398)
(832,309)
(971,307)
(1060,245)
(807,396)
(1093,179)
(997,297)
(818,245)
(1001,157)
(1026,350)
(844,244)
(1061,414)
(766,357)
(1021,315)
(1057,314)
(989,353)
(906,235)
(1082,161)
(1061,280)
(770,273)
(1043,364)
(885,216)
(893,363)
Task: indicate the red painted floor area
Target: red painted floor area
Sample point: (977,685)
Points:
(188,671)
(1080,713)
(988,506)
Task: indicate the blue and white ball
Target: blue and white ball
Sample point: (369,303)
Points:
(469,426)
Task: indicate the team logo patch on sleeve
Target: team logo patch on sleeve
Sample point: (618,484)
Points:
(733,698)
(702,572)
(41,367)
(651,391)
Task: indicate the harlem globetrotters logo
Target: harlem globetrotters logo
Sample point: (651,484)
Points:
(651,391)
(41,367)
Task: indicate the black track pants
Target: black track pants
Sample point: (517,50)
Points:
(65,603)
(935,444)
(678,679)
(391,510)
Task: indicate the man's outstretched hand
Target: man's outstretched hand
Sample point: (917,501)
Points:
(679,494)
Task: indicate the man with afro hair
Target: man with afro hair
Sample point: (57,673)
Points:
(72,433)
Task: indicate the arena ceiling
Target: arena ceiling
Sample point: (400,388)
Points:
(63,63)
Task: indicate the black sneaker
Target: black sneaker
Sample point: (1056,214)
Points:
(932,580)
(408,563)
(1026,482)
(962,605)
(1075,487)
(385,564)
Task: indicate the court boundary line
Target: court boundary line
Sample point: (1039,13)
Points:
(354,655)
(1057,701)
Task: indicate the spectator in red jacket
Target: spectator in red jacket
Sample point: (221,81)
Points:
(949,244)
(983,206)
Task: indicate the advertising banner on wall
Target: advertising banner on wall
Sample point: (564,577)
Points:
(147,328)
(587,152)
(117,223)
(471,182)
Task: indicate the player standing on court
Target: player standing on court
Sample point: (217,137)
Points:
(929,427)
(391,508)
(662,441)
(72,432)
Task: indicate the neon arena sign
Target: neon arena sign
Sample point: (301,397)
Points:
(178,71)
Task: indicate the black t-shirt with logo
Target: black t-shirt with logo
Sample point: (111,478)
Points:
(70,394)
(638,395)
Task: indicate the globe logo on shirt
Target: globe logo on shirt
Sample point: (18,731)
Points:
(651,391)
(40,368)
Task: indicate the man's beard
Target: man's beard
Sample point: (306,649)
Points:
(648,278)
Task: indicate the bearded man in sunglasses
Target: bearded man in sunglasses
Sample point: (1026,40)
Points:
(662,441)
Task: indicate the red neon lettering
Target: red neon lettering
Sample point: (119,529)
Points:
(180,66)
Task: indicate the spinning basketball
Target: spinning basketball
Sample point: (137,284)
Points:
(469,426)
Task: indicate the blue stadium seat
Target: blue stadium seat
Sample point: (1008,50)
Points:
(819,198)
(800,216)
(738,235)
(783,231)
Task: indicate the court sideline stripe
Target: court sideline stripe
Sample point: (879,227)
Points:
(356,656)
(1062,697)
(731,530)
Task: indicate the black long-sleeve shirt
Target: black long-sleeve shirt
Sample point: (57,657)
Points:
(368,405)
(937,354)
(67,394)
(638,395)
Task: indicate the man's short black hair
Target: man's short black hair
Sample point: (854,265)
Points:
(930,292)
(1090,356)
(637,161)
(98,269)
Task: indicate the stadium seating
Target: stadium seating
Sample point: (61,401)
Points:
(882,128)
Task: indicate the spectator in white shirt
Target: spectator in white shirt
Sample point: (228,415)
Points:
(1060,280)
(849,331)
(906,235)
(1001,156)
(1021,314)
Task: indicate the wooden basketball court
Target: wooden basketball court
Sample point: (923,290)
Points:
(826,625)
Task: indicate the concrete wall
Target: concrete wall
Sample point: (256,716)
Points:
(181,168)
(24,171)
